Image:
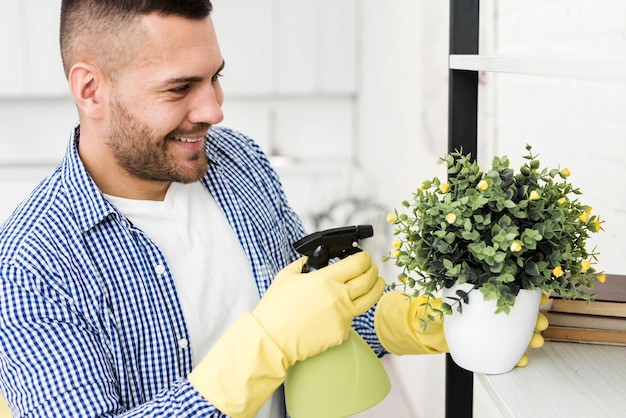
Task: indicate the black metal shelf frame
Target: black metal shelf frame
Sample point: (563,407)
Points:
(462,135)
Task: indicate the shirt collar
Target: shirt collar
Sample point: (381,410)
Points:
(87,202)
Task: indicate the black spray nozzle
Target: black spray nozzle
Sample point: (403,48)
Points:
(320,247)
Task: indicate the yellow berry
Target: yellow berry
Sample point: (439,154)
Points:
(594,225)
(536,340)
(542,323)
(584,266)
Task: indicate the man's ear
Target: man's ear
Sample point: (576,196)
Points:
(88,85)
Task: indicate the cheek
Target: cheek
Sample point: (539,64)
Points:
(162,119)
(154,113)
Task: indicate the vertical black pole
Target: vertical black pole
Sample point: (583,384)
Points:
(463,85)
(462,136)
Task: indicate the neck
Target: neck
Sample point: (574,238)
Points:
(109,177)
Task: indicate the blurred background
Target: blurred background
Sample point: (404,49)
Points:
(349,99)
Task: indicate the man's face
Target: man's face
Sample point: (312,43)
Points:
(162,105)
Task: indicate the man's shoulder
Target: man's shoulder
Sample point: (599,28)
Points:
(45,208)
(223,133)
(227,141)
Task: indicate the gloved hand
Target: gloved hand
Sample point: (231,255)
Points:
(4,408)
(305,315)
(399,330)
(301,315)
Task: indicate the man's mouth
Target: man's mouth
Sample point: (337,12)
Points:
(191,140)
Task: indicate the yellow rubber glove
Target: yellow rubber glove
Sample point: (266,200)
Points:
(398,328)
(301,315)
(4,409)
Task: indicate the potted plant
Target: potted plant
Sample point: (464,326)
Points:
(494,236)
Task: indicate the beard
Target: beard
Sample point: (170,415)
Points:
(143,153)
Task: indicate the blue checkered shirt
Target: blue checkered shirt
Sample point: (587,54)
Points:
(90,321)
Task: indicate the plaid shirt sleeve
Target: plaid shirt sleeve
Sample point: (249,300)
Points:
(56,364)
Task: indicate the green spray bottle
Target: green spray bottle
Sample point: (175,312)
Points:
(346,379)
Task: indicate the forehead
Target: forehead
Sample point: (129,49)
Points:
(176,45)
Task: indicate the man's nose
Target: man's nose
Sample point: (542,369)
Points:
(206,106)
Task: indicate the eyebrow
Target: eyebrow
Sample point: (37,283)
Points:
(192,79)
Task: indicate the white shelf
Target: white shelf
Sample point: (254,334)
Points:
(562,380)
(585,67)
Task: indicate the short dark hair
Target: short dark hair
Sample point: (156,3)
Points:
(84,22)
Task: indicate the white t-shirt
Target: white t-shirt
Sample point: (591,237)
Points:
(212,274)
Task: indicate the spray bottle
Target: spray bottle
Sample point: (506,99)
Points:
(346,379)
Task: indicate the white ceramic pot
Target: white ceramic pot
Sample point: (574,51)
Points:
(484,342)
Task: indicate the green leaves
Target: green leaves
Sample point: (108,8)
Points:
(499,229)
(529,239)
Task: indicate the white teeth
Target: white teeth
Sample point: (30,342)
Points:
(189,139)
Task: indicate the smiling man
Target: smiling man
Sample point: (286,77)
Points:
(135,279)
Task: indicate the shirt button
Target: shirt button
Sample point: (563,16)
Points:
(159,269)
(183,343)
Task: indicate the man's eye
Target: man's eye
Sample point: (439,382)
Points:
(181,89)
(216,77)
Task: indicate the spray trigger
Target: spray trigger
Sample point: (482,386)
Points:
(320,247)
